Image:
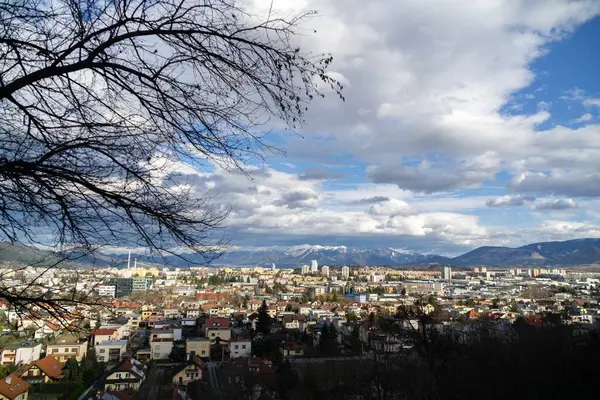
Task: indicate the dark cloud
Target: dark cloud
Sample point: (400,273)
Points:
(424,179)
(555,204)
(509,201)
(297,199)
(373,200)
(318,174)
(571,185)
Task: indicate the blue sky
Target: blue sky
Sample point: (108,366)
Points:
(464,125)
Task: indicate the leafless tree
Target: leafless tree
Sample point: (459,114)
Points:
(103,101)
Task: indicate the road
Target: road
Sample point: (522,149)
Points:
(152,384)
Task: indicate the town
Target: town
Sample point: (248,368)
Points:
(152,332)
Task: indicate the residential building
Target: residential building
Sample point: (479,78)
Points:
(240,348)
(305,269)
(293,321)
(110,350)
(200,346)
(48,369)
(68,346)
(21,353)
(446,273)
(189,371)
(13,387)
(49,330)
(129,374)
(161,348)
(217,328)
(107,291)
(291,348)
(345,272)
(102,335)
(314,266)
(325,271)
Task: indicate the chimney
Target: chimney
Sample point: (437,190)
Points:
(8,379)
(192,355)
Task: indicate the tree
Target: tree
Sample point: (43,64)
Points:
(102,101)
(6,370)
(328,341)
(263,324)
(403,292)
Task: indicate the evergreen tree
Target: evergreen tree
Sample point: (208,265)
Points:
(264,320)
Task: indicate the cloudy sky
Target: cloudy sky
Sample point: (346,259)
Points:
(466,123)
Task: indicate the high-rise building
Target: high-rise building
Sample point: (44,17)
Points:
(483,269)
(305,269)
(446,273)
(325,271)
(314,266)
(345,272)
(273,267)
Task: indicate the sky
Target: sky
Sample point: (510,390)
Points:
(466,123)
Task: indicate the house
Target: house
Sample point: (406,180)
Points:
(67,346)
(252,372)
(293,321)
(160,347)
(291,348)
(21,353)
(189,371)
(46,370)
(13,388)
(200,346)
(240,348)
(128,375)
(217,328)
(102,335)
(110,350)
(48,330)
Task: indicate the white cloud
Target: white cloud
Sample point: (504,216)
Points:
(587,117)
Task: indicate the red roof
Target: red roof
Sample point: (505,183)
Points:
(217,323)
(103,332)
(14,388)
(49,366)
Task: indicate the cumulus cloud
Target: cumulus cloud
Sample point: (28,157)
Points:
(587,117)
(373,200)
(392,208)
(509,201)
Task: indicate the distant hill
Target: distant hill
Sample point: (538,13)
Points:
(568,253)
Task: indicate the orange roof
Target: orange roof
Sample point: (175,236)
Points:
(49,366)
(12,386)
(103,332)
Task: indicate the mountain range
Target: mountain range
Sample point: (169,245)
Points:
(567,253)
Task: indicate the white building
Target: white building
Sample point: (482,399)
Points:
(305,269)
(325,271)
(21,353)
(446,273)
(110,350)
(107,291)
(345,272)
(240,348)
(314,266)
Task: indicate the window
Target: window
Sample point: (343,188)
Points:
(118,376)
(244,346)
(74,350)
(192,345)
(54,351)
(203,352)
(212,334)
(102,350)
(237,346)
